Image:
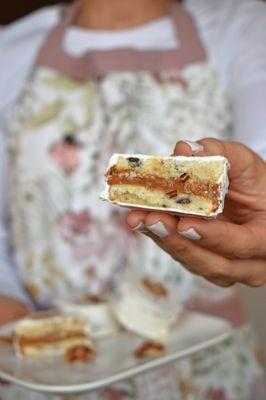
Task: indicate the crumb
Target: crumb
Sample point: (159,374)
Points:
(155,288)
(80,354)
(150,349)
(92,299)
(6,340)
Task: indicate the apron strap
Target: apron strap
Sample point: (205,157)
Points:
(192,49)
(98,63)
(54,41)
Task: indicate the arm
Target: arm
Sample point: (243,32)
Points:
(19,44)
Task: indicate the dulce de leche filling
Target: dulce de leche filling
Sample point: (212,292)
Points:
(171,186)
(50,338)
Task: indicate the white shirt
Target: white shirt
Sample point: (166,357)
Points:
(233,32)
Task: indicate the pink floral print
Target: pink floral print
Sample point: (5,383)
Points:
(113,394)
(215,394)
(92,243)
(65,153)
(88,238)
(72,224)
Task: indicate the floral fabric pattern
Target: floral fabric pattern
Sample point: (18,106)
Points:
(62,137)
(68,244)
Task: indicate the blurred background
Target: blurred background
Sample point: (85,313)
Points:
(16,9)
(255,299)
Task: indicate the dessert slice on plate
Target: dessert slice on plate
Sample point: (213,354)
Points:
(182,185)
(44,335)
(98,316)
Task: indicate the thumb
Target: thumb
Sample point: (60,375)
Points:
(223,237)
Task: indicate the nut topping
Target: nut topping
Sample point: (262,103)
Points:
(171,194)
(155,288)
(184,177)
(150,349)
(80,354)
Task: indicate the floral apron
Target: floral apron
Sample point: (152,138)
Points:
(73,114)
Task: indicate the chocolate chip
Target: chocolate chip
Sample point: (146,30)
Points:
(184,177)
(184,200)
(69,139)
(134,162)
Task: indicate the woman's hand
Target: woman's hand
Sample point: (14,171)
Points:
(231,248)
(11,310)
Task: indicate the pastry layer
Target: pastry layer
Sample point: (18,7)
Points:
(51,335)
(150,349)
(98,316)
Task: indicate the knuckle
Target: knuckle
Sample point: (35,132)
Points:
(217,145)
(221,283)
(179,247)
(219,272)
(214,242)
(256,282)
(244,253)
(249,245)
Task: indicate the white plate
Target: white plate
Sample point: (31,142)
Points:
(115,360)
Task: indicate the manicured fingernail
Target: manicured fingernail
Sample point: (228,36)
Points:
(158,229)
(191,234)
(141,228)
(195,147)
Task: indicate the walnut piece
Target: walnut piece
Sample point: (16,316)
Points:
(171,194)
(155,288)
(80,354)
(150,349)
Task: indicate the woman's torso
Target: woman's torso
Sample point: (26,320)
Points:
(69,244)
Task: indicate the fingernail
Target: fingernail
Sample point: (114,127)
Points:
(191,234)
(195,147)
(158,229)
(141,228)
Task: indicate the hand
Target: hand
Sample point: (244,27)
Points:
(231,248)
(11,310)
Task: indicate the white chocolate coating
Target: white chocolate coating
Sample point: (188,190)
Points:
(223,181)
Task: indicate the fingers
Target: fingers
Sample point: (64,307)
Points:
(157,223)
(188,148)
(225,283)
(228,239)
(251,272)
(135,220)
(241,159)
(198,259)
(162,228)
(220,236)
